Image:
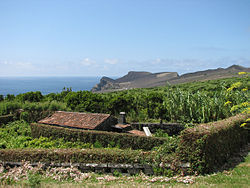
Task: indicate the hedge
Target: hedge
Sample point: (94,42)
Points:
(98,156)
(6,119)
(75,156)
(103,138)
(208,146)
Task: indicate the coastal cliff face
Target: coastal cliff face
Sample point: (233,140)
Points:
(105,84)
(134,80)
(146,79)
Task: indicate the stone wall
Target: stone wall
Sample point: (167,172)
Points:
(131,169)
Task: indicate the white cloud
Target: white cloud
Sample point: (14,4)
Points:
(113,67)
(111,61)
(156,61)
(18,64)
(88,62)
(7,63)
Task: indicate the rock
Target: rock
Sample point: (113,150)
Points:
(105,84)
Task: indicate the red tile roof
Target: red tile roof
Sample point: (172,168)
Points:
(137,132)
(75,119)
(122,125)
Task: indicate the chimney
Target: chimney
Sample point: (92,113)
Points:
(122,118)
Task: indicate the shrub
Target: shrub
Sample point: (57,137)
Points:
(34,179)
(76,156)
(18,135)
(7,107)
(6,119)
(103,137)
(1,98)
(208,146)
(24,116)
(30,96)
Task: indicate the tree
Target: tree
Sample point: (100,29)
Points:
(1,98)
(10,97)
(30,96)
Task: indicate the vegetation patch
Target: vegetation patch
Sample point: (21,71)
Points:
(26,175)
(209,146)
(198,102)
(101,138)
(98,155)
(206,146)
(6,119)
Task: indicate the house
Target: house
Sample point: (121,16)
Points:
(90,121)
(77,120)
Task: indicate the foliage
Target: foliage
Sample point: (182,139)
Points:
(34,179)
(161,133)
(10,97)
(69,155)
(84,101)
(6,119)
(30,111)
(98,138)
(198,102)
(9,107)
(237,177)
(26,172)
(243,107)
(18,135)
(208,146)
(30,96)
(71,177)
(167,147)
(1,98)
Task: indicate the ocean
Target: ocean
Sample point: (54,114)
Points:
(17,85)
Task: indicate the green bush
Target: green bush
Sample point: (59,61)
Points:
(30,96)
(103,138)
(24,116)
(9,107)
(1,98)
(6,119)
(77,156)
(38,110)
(208,146)
(18,135)
(34,179)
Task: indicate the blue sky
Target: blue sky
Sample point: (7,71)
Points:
(112,37)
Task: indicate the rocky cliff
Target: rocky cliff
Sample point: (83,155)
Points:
(146,79)
(133,80)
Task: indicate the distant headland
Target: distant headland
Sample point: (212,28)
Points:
(146,79)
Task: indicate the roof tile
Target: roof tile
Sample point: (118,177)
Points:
(137,132)
(75,119)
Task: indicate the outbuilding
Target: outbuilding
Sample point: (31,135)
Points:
(78,120)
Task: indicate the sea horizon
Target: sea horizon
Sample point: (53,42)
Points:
(45,84)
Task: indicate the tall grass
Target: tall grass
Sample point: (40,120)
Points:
(31,111)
